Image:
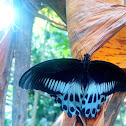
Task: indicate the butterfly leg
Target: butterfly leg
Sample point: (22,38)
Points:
(75,122)
(83,120)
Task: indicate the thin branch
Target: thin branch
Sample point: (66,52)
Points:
(34,108)
(36,14)
(49,19)
(61,28)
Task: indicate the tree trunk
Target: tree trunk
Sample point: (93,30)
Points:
(6,55)
(23,37)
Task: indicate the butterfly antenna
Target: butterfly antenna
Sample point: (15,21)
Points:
(80,42)
(80,55)
(77,54)
(80,58)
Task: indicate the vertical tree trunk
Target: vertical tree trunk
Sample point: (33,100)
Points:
(6,55)
(23,37)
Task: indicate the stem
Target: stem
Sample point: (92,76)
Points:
(34,108)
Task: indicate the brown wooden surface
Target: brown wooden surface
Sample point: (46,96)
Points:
(92,25)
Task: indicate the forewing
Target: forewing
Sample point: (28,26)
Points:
(108,77)
(53,76)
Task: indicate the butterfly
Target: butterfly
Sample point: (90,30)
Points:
(79,86)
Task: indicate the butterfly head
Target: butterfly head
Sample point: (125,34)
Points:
(86,57)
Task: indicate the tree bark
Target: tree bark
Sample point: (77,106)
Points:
(6,55)
(23,35)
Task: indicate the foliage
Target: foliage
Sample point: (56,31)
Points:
(48,42)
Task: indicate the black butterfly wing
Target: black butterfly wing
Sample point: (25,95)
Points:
(108,77)
(53,76)
(76,91)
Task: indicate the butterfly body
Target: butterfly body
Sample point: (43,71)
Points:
(80,87)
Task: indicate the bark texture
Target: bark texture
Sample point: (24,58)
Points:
(22,63)
(6,55)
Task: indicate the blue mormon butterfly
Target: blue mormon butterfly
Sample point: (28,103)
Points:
(80,87)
